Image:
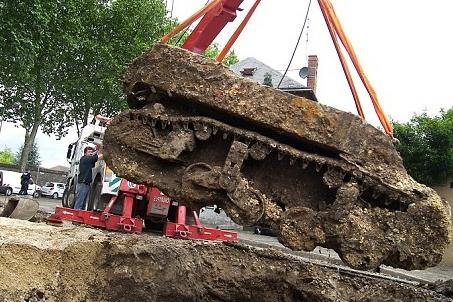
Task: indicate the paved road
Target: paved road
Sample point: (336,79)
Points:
(48,204)
(45,204)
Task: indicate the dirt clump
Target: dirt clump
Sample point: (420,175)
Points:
(314,174)
(442,287)
(73,263)
(40,216)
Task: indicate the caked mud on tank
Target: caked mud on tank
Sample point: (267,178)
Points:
(315,174)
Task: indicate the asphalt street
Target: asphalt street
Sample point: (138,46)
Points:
(48,204)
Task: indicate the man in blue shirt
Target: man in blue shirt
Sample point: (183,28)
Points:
(24,182)
(87,162)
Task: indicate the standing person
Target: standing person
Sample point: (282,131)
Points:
(87,162)
(24,182)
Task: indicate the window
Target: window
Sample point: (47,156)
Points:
(61,186)
(451,185)
(49,184)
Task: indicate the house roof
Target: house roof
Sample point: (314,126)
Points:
(60,168)
(260,72)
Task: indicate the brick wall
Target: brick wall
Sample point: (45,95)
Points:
(312,72)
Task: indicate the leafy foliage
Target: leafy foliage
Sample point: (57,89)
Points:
(32,39)
(6,156)
(61,59)
(113,34)
(267,79)
(34,158)
(426,146)
(213,51)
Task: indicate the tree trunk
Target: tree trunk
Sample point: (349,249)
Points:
(77,126)
(28,143)
(85,116)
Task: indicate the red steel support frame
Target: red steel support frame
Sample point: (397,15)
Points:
(211,25)
(216,14)
(128,224)
(179,229)
(105,219)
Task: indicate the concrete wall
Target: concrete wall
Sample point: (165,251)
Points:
(446,192)
(45,175)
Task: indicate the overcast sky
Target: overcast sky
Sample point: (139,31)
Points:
(404,47)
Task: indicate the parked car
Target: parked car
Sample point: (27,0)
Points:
(53,189)
(10,184)
(259,230)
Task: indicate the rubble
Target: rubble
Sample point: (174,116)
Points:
(442,287)
(318,176)
(73,263)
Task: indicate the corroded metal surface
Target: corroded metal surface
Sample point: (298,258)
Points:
(316,175)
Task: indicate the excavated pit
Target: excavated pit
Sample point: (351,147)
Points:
(318,176)
(73,263)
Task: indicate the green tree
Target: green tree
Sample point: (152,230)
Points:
(426,146)
(213,51)
(59,60)
(6,156)
(34,158)
(267,79)
(114,35)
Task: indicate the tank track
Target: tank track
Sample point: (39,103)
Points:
(337,204)
(204,128)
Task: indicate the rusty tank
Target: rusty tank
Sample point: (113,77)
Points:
(316,175)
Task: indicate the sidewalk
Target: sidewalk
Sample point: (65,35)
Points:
(327,256)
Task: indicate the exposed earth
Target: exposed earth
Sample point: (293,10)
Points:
(40,262)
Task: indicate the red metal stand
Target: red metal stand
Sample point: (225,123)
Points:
(106,219)
(181,230)
(98,219)
(157,204)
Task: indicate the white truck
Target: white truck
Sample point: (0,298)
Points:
(10,184)
(153,208)
(105,183)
